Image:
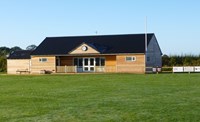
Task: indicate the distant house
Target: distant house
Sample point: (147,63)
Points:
(102,53)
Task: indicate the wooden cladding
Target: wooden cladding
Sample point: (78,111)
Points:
(66,61)
(137,66)
(110,60)
(37,66)
(113,63)
(13,65)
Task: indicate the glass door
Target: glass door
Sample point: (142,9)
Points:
(88,64)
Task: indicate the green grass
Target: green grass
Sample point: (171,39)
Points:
(2,73)
(100,97)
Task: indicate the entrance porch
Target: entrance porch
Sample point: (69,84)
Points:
(90,64)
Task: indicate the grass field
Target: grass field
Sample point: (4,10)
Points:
(100,97)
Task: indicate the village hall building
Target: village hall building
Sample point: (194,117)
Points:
(125,53)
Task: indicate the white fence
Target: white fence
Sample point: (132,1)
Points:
(186,69)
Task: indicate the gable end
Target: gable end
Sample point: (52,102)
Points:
(84,49)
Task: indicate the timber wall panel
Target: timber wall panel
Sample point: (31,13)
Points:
(17,64)
(137,66)
(37,66)
(66,61)
(110,63)
(110,60)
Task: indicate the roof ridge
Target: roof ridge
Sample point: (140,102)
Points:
(106,35)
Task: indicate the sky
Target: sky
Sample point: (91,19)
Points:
(176,23)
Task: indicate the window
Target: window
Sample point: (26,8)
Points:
(130,58)
(100,61)
(86,61)
(92,61)
(42,59)
(97,60)
(78,62)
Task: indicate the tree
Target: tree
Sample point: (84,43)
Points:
(172,61)
(4,51)
(187,61)
(3,64)
(165,60)
(15,48)
(31,47)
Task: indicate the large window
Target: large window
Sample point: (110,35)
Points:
(100,61)
(78,61)
(130,58)
(42,59)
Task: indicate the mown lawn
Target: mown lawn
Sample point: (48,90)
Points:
(100,98)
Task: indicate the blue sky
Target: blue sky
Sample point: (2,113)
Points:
(176,23)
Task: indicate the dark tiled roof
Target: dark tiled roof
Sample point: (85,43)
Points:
(105,44)
(22,54)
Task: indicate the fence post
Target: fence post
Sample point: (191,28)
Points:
(65,68)
(75,69)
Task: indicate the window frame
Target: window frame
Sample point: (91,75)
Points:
(43,60)
(132,58)
(101,61)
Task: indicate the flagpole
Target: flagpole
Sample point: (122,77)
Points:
(145,34)
(145,46)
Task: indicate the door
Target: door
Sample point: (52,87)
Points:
(88,64)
